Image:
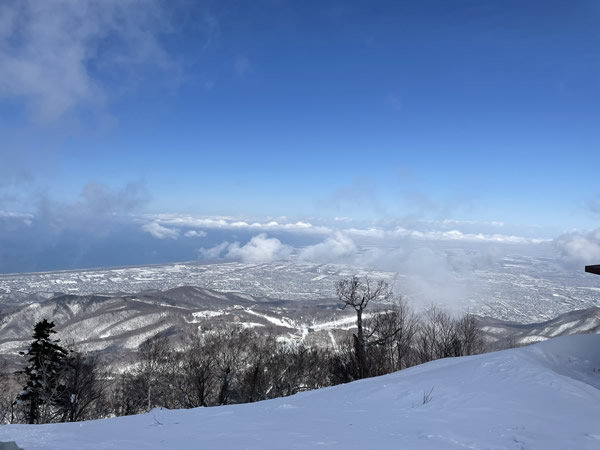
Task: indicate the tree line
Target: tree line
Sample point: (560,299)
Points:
(230,364)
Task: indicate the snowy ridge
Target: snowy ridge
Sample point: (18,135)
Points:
(573,322)
(541,397)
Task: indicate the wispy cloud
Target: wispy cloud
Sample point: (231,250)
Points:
(57,55)
(395,102)
(160,232)
(332,249)
(243,66)
(99,208)
(99,198)
(594,205)
(215,252)
(471,222)
(361,194)
(108,220)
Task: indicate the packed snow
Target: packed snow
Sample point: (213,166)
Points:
(546,396)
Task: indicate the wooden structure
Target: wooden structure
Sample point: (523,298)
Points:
(593,269)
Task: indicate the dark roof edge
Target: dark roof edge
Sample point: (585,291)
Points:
(593,269)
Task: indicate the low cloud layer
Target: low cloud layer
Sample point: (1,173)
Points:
(446,230)
(181,221)
(332,249)
(260,249)
(160,232)
(105,217)
(195,233)
(105,228)
(99,209)
(579,248)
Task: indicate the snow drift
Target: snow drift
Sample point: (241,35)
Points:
(546,396)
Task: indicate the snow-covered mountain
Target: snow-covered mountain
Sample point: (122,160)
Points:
(545,396)
(120,322)
(517,334)
(123,321)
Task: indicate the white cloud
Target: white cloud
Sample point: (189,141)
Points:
(26,218)
(229,223)
(471,222)
(331,249)
(455,235)
(195,233)
(260,249)
(579,248)
(160,232)
(15,215)
(377,233)
(213,252)
(51,51)
(367,232)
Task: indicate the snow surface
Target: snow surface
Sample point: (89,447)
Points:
(546,396)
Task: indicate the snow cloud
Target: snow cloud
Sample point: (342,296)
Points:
(579,248)
(159,231)
(260,249)
(99,198)
(104,221)
(59,55)
(332,249)
(195,233)
(215,252)
(233,223)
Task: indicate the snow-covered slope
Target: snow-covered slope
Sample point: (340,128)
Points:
(546,396)
(574,322)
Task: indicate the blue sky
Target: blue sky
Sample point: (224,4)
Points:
(384,113)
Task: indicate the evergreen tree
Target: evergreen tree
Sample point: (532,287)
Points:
(43,390)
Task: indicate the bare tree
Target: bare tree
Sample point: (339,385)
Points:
(230,350)
(343,365)
(392,333)
(433,336)
(261,368)
(9,388)
(358,293)
(470,335)
(85,388)
(441,336)
(197,372)
(299,368)
(154,358)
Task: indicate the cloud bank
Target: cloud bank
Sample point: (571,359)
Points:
(160,232)
(332,249)
(104,227)
(260,249)
(578,248)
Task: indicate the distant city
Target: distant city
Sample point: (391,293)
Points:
(520,289)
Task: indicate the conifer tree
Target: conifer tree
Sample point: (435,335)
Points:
(43,390)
